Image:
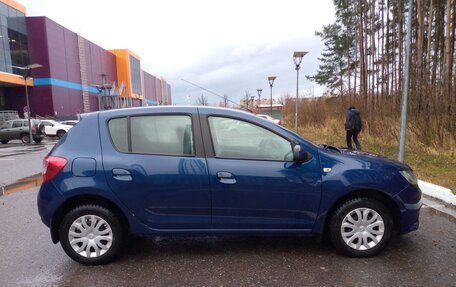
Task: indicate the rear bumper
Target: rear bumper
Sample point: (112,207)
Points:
(48,201)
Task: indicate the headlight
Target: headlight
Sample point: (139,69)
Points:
(409,176)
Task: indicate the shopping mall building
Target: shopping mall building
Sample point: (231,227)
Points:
(76,76)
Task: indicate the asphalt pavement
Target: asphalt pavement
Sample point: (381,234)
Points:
(18,160)
(28,257)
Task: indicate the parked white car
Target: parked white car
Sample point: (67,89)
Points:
(69,122)
(54,128)
(269,118)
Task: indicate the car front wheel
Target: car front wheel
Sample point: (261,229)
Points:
(361,227)
(91,235)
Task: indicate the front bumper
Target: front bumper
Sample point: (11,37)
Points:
(410,206)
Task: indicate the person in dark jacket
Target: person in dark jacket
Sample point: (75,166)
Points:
(353,126)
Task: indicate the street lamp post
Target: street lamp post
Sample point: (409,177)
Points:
(26,73)
(297,58)
(259,98)
(271,80)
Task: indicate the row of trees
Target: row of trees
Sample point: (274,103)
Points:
(364,58)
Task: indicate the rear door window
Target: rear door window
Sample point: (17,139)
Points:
(17,124)
(168,134)
(154,134)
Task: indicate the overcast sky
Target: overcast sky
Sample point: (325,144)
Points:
(227,46)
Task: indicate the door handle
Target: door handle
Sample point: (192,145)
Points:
(121,174)
(226,177)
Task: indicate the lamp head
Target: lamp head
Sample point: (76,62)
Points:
(297,58)
(271,80)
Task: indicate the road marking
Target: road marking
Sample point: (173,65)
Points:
(7,159)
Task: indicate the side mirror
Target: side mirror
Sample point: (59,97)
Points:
(299,154)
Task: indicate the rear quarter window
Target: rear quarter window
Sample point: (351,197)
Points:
(119,135)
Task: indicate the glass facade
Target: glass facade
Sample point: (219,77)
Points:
(13,40)
(135,69)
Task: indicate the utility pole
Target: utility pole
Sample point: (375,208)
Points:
(405,91)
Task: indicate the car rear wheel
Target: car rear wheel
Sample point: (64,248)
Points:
(4,142)
(91,235)
(60,134)
(361,227)
(25,138)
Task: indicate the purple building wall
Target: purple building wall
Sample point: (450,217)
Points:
(170,101)
(40,96)
(56,48)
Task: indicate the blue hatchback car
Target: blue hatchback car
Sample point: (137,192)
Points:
(212,171)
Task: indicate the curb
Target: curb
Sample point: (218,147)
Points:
(436,191)
(22,184)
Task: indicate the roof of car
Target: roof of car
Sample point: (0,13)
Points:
(206,109)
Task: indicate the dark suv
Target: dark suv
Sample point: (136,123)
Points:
(212,171)
(19,129)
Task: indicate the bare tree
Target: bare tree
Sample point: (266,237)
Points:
(202,101)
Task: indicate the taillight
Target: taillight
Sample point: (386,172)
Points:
(33,129)
(52,165)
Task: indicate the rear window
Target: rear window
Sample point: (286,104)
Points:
(154,134)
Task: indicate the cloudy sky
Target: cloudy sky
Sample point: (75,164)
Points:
(227,46)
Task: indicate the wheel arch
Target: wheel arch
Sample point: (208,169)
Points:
(78,200)
(369,193)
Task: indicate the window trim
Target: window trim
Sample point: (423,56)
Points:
(129,148)
(209,132)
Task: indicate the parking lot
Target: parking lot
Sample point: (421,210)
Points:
(422,258)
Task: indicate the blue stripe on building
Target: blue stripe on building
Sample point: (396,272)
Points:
(151,102)
(63,84)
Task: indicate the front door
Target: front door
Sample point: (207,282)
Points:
(255,184)
(158,170)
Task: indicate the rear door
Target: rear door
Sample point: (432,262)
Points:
(154,163)
(17,129)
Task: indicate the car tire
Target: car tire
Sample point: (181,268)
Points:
(61,134)
(361,227)
(38,140)
(4,142)
(25,138)
(91,234)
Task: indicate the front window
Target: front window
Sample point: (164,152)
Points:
(5,125)
(242,140)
